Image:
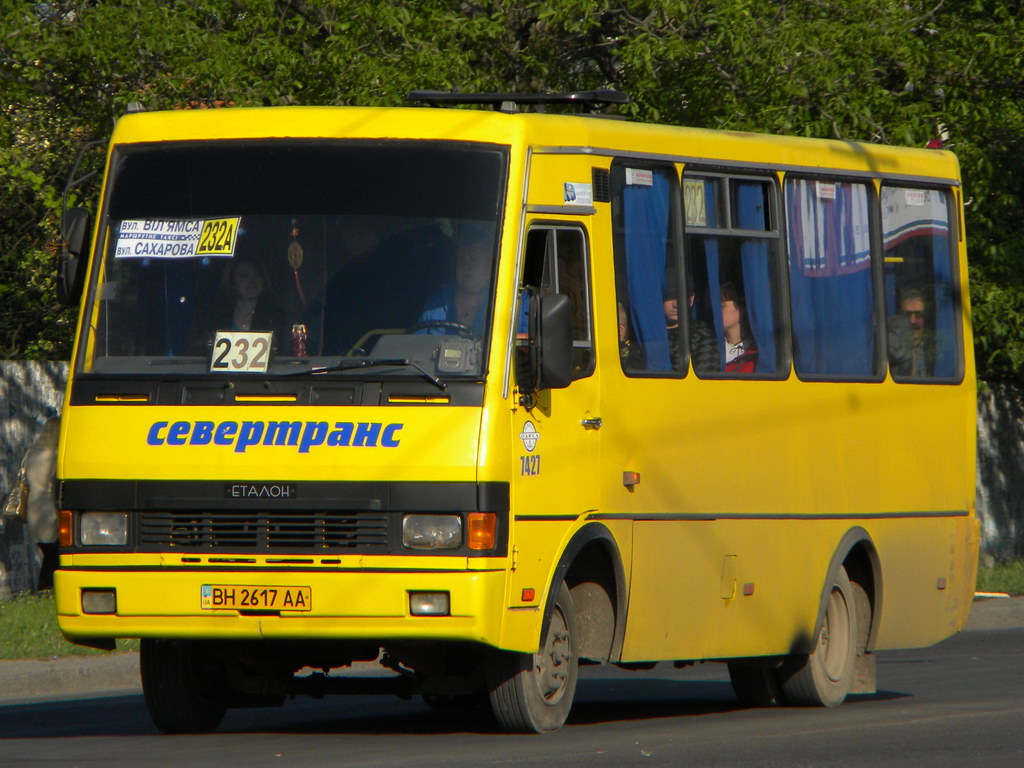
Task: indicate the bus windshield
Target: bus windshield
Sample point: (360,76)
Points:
(284,257)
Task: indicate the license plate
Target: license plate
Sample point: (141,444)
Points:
(256,598)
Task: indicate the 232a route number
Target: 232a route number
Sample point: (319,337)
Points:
(217,237)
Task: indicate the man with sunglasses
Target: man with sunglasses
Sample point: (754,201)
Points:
(911,352)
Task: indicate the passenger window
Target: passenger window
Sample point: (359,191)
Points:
(920,301)
(645,219)
(831,288)
(732,259)
(556,262)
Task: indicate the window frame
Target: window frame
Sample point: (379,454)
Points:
(672,171)
(871,184)
(955,284)
(775,235)
(552,228)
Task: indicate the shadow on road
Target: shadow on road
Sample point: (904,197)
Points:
(598,701)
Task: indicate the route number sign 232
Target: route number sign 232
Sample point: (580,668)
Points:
(240,352)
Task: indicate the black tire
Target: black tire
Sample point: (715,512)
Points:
(533,692)
(756,686)
(182,695)
(823,677)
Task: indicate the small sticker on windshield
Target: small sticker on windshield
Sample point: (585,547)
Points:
(176,238)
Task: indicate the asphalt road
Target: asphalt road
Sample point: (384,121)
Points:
(959,703)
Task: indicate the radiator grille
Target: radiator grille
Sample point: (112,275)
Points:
(257,531)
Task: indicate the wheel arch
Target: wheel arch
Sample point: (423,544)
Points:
(591,566)
(856,552)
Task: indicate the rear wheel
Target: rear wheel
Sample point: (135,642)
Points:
(533,692)
(183,694)
(824,676)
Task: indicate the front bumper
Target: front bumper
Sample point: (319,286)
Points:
(356,604)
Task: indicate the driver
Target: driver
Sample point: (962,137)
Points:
(463,303)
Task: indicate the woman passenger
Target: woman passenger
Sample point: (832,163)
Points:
(740,346)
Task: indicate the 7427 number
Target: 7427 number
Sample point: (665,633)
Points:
(529,465)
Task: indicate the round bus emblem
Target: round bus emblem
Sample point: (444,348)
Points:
(529,436)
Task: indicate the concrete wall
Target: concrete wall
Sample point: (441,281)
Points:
(31,392)
(1000,495)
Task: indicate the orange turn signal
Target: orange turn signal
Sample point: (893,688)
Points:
(64,528)
(481,530)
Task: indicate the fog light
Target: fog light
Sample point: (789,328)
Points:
(99,601)
(103,529)
(432,531)
(429,603)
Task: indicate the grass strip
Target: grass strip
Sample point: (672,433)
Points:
(28,630)
(1002,577)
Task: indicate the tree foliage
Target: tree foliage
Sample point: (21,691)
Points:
(892,71)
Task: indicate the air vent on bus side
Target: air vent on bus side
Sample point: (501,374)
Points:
(601,179)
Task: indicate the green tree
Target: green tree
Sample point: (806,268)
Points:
(896,71)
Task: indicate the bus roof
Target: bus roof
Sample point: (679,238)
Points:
(543,132)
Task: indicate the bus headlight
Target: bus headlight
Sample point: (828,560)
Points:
(432,531)
(103,529)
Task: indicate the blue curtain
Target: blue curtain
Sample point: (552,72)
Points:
(646,240)
(945,316)
(830,279)
(757,283)
(712,262)
(714,297)
(891,285)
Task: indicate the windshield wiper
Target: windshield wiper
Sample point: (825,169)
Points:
(353,364)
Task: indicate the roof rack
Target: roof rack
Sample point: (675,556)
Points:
(511,102)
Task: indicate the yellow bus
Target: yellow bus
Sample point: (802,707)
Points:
(478,394)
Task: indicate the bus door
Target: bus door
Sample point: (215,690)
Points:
(555,442)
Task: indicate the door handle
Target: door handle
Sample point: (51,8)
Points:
(594,423)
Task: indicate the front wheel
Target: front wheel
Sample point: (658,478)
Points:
(183,694)
(533,692)
(824,676)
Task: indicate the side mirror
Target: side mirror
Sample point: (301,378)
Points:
(551,333)
(73,255)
